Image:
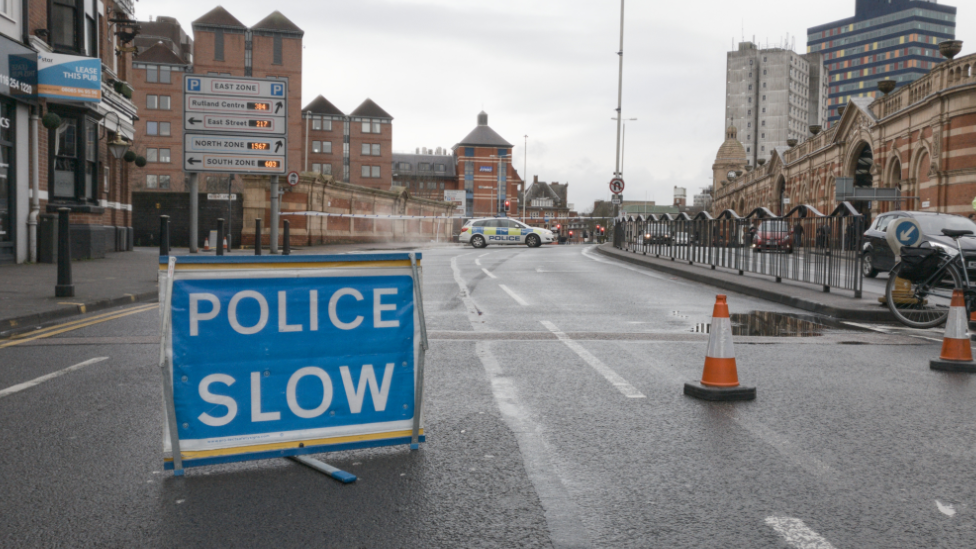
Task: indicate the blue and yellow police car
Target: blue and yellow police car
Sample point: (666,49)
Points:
(502,230)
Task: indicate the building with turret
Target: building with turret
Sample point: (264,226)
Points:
(484,165)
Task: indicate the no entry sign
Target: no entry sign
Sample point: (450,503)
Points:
(616,185)
(290,355)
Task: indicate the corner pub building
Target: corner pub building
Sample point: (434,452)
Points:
(919,140)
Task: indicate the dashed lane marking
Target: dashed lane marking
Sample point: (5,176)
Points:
(518,299)
(484,254)
(798,534)
(487,272)
(37,381)
(614,378)
(945,508)
(477,262)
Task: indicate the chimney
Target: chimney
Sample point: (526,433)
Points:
(535,179)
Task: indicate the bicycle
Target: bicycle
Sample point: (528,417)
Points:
(919,293)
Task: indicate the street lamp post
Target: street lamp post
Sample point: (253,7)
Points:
(525,175)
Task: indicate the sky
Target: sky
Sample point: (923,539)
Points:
(547,69)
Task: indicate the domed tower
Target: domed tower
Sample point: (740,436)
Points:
(731,157)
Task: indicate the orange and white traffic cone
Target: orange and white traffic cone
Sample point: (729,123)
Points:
(206,244)
(225,244)
(720,381)
(957,354)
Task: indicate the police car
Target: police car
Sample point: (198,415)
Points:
(502,230)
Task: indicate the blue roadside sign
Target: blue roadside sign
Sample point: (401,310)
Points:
(288,355)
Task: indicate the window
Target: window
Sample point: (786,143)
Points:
(365,149)
(276,46)
(152,181)
(750,86)
(764,98)
(327,125)
(164,181)
(152,74)
(164,155)
(764,136)
(750,112)
(469,151)
(152,128)
(376,149)
(64,22)
(469,170)
(764,109)
(327,147)
(316,147)
(442,185)
(317,123)
(152,102)
(440,168)
(151,155)
(764,72)
(74,158)
(164,75)
(764,59)
(164,128)
(367,127)
(376,127)
(424,167)
(764,84)
(763,122)
(327,169)
(750,62)
(218,45)
(317,168)
(750,101)
(164,102)
(376,171)
(365,171)
(749,125)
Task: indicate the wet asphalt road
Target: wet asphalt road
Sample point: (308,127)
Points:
(555,419)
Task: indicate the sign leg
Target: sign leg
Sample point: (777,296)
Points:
(322,467)
(419,389)
(274,214)
(166,368)
(194,212)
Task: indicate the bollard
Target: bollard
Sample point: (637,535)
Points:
(64,287)
(257,236)
(220,236)
(287,238)
(163,235)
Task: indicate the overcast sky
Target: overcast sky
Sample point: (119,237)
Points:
(546,69)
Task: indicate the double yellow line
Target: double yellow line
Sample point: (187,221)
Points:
(69,326)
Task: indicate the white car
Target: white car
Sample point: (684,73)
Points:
(502,230)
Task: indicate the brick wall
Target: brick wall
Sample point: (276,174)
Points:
(148,206)
(173,142)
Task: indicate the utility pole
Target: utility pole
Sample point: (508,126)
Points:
(620,88)
(525,175)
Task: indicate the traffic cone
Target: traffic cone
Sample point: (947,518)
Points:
(206,244)
(957,355)
(720,381)
(225,244)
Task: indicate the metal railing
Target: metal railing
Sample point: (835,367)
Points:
(804,245)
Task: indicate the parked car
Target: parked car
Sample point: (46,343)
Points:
(877,256)
(658,233)
(774,235)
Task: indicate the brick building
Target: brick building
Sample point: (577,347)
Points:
(917,139)
(484,165)
(74,168)
(545,203)
(426,173)
(169,32)
(354,148)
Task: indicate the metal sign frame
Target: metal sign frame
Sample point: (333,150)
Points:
(365,409)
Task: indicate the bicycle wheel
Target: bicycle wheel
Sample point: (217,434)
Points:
(919,305)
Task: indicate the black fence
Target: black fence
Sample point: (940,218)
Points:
(804,245)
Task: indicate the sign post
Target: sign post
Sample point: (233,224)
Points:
(235,125)
(284,356)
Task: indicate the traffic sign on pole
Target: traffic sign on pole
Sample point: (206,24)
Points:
(292,178)
(235,125)
(616,185)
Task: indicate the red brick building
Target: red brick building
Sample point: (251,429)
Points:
(484,167)
(74,168)
(354,148)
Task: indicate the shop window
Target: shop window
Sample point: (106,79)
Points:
(74,158)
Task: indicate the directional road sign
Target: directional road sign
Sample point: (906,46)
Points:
(250,145)
(616,199)
(235,124)
(903,232)
(616,185)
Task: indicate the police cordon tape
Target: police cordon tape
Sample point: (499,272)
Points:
(280,356)
(438,217)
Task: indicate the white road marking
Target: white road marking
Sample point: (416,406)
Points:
(653,274)
(945,508)
(487,272)
(484,254)
(514,295)
(477,262)
(37,381)
(797,534)
(469,304)
(620,383)
(563,516)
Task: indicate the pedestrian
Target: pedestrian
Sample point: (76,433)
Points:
(798,235)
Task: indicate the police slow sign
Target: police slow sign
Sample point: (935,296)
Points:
(278,356)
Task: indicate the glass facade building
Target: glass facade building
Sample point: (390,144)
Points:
(886,39)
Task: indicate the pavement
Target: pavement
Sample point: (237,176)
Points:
(27,292)
(839,304)
(555,418)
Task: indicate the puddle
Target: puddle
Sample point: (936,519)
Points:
(770,324)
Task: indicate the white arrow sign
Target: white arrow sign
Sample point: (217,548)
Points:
(273,125)
(229,163)
(904,236)
(234,105)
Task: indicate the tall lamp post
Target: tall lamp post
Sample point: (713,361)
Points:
(525,175)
